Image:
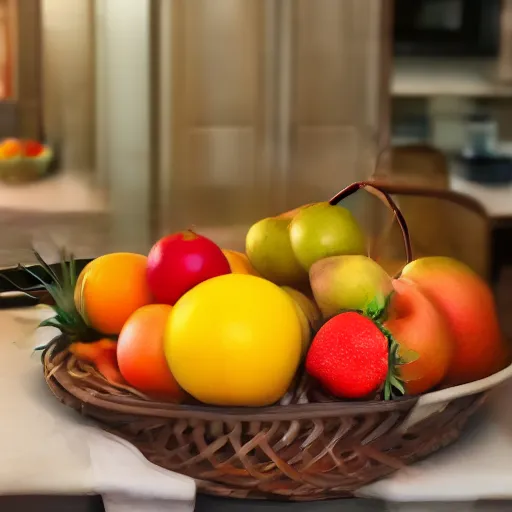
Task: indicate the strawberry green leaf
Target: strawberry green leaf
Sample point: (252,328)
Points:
(46,267)
(394,384)
(406,355)
(374,309)
(377,308)
(385,309)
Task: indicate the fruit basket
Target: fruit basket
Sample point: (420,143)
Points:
(306,445)
(18,165)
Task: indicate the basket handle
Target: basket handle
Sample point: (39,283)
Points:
(381,194)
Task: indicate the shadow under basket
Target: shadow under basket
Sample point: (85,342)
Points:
(308,447)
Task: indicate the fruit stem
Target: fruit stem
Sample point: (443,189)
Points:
(190,233)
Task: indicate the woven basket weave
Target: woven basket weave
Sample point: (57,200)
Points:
(296,452)
(308,447)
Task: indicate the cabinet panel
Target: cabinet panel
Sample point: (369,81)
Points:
(281,96)
(220,53)
(335,93)
(219,105)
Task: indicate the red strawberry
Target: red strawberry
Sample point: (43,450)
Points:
(350,357)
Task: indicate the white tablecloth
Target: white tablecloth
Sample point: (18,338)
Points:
(47,448)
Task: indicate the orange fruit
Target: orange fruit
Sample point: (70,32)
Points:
(110,288)
(239,263)
(140,353)
(10,148)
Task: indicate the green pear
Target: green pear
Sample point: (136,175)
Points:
(323,230)
(268,248)
(348,282)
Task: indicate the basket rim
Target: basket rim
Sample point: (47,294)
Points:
(132,405)
(97,395)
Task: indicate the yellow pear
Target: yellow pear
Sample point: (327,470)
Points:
(290,214)
(308,313)
(269,250)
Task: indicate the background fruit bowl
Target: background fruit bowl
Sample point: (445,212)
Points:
(18,165)
(297,450)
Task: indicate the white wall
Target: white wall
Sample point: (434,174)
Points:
(123,145)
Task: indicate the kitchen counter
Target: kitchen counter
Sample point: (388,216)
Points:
(62,192)
(429,77)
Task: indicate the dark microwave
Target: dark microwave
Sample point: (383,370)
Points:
(443,28)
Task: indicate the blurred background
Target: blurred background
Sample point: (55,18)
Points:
(163,114)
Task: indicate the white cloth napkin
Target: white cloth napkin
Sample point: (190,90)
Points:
(48,448)
(477,467)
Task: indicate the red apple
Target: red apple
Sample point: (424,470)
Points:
(417,325)
(178,262)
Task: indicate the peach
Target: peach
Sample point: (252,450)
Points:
(467,303)
(417,325)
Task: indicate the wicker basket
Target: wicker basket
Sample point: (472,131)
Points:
(23,170)
(308,447)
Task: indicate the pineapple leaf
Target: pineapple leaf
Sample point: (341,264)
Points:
(47,344)
(59,343)
(64,269)
(57,323)
(46,267)
(62,287)
(72,270)
(34,275)
(19,288)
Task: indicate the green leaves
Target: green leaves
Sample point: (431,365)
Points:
(377,308)
(406,355)
(397,357)
(393,379)
(62,288)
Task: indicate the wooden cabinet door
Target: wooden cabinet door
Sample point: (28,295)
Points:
(270,104)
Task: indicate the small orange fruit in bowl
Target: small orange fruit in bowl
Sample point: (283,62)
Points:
(239,263)
(110,288)
(11,148)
